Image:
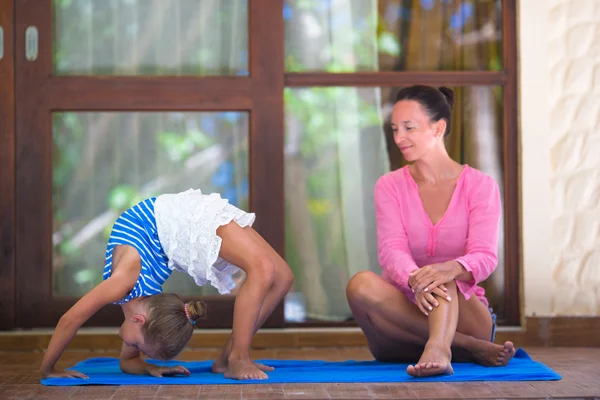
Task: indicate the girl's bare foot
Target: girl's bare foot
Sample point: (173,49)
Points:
(435,360)
(243,369)
(220,366)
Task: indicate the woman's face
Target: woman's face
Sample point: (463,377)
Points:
(414,133)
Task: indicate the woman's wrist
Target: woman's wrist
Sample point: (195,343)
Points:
(457,268)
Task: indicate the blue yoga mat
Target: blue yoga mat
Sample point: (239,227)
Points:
(105,371)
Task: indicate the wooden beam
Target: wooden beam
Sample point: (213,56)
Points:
(404,78)
(144,93)
(540,332)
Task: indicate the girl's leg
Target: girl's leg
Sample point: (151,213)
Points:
(282,282)
(396,329)
(267,281)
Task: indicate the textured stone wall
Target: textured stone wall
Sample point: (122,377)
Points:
(560,131)
(575,155)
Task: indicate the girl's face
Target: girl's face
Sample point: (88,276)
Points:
(132,335)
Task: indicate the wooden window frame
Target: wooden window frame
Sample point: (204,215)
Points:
(7,168)
(507,79)
(26,162)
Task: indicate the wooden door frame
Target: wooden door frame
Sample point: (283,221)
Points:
(512,167)
(38,94)
(7,168)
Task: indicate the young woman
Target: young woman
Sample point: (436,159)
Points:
(437,231)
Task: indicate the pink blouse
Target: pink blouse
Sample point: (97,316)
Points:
(467,233)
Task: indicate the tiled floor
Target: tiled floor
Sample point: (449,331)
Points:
(580,368)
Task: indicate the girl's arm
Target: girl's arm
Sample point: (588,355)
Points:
(131,363)
(113,289)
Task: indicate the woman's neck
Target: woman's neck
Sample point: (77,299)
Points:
(436,167)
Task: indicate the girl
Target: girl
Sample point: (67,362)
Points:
(209,239)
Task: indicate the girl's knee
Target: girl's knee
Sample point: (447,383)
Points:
(262,270)
(285,276)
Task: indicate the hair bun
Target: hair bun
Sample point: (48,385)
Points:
(196,310)
(448,94)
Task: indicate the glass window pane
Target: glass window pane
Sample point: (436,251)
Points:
(338,143)
(150,37)
(105,162)
(392,35)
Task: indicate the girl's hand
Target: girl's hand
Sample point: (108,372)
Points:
(426,301)
(434,275)
(64,374)
(106,292)
(167,371)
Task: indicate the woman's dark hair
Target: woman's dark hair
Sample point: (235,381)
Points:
(437,103)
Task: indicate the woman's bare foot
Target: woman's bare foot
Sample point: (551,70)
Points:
(506,354)
(243,369)
(490,354)
(435,360)
(220,366)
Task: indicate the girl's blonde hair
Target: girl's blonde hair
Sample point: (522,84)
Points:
(167,324)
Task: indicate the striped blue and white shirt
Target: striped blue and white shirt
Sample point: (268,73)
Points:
(137,227)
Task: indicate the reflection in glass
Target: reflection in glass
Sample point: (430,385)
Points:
(392,35)
(150,37)
(334,153)
(105,162)
(338,143)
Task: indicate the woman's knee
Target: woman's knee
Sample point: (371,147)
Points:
(451,286)
(362,287)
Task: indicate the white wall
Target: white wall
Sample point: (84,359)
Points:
(559,46)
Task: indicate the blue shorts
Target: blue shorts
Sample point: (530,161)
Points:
(494,326)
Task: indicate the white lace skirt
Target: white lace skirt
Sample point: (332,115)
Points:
(187,225)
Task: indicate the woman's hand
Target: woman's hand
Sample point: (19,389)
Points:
(426,301)
(159,372)
(432,276)
(64,374)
